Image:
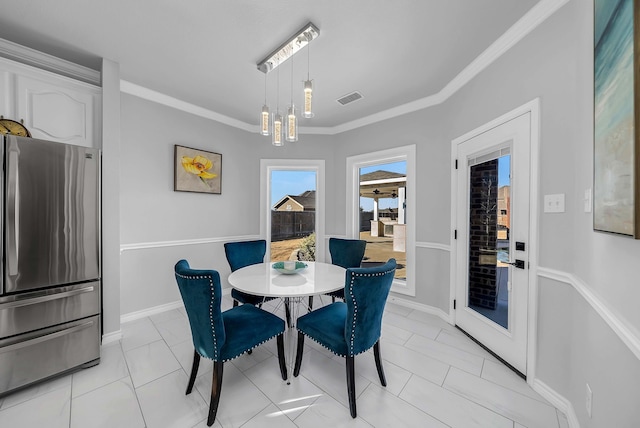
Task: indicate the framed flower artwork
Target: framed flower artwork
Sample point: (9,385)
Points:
(197,171)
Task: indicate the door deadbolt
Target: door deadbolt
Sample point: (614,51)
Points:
(518,263)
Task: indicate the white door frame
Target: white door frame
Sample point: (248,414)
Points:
(533,107)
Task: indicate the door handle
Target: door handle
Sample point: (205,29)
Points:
(518,264)
(13,207)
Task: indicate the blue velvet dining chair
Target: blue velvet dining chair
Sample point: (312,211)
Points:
(347,253)
(246,253)
(222,336)
(354,326)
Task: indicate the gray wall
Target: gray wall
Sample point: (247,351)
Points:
(151,212)
(554,63)
(574,345)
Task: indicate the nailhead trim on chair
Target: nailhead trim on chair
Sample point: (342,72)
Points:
(355,309)
(264,341)
(355,305)
(213,330)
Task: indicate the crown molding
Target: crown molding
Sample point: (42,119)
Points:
(525,25)
(25,55)
(160,98)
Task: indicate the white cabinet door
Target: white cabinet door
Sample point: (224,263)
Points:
(7,106)
(58,110)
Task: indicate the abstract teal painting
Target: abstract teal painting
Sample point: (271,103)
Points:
(615,128)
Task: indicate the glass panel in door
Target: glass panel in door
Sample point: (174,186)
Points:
(489,226)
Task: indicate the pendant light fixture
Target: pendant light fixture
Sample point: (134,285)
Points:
(265,116)
(286,51)
(292,123)
(308,90)
(277,119)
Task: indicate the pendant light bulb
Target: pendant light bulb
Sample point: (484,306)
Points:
(292,125)
(277,129)
(264,120)
(308,92)
(277,119)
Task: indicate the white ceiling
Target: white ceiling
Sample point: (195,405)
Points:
(204,52)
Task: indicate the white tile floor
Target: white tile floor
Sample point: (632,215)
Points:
(436,377)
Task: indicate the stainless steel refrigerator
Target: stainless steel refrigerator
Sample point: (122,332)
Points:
(50,274)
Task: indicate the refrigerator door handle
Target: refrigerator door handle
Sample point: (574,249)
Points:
(45,298)
(12,211)
(46,337)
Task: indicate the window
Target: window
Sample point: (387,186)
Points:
(381,209)
(292,208)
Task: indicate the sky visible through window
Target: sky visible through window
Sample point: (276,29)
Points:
(504,170)
(287,182)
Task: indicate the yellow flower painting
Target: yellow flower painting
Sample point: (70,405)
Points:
(199,171)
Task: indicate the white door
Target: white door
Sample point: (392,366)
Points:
(492,248)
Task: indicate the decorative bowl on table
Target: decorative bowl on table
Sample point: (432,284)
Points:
(289,267)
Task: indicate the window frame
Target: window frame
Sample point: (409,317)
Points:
(398,154)
(269,165)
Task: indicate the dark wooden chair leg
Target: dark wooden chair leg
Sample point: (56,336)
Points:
(287,311)
(351,385)
(310,303)
(281,360)
(333,299)
(235,303)
(216,386)
(376,354)
(296,368)
(194,372)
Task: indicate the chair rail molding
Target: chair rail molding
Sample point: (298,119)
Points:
(182,242)
(625,331)
(434,246)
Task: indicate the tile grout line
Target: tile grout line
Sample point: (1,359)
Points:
(135,392)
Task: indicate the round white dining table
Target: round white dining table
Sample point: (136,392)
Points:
(263,280)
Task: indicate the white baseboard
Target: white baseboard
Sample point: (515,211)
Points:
(132,316)
(111,337)
(557,401)
(420,307)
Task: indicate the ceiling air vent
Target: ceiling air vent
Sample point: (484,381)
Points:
(349,98)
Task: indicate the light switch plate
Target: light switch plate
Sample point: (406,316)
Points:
(554,203)
(587,201)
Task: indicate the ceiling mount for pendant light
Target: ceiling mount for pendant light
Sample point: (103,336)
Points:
(299,40)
